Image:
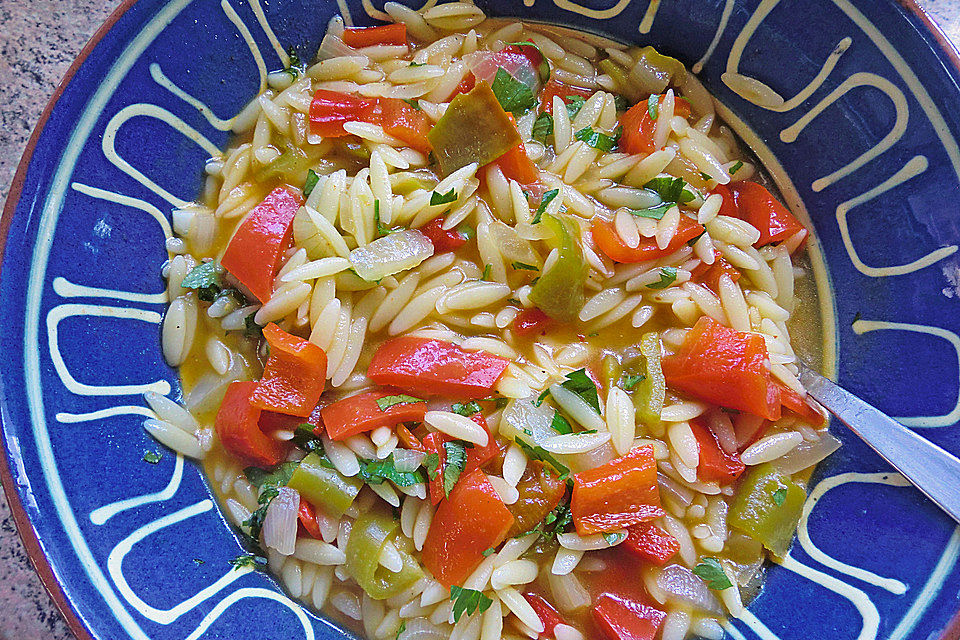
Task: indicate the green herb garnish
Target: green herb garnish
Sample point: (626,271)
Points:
(668,275)
(468,601)
(248,560)
(466,409)
(454,465)
(543,127)
(780,496)
(523,266)
(580,383)
(712,573)
(544,203)
(389,401)
(653,105)
(443,198)
(596,139)
(152,457)
(513,95)
(736,167)
(629,380)
(312,179)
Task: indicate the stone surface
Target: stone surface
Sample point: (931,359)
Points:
(38,40)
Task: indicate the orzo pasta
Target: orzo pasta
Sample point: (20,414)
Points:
(484,329)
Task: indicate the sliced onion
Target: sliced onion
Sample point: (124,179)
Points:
(484,65)
(391,254)
(577,408)
(590,459)
(681,584)
(806,454)
(575,443)
(674,490)
(406,460)
(333,47)
(421,629)
(512,246)
(280,522)
(521,416)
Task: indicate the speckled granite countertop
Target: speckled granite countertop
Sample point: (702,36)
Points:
(38,41)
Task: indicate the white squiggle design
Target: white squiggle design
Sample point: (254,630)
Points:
(217,123)
(930,590)
(231,14)
(598,14)
(104,513)
(137,203)
(153,111)
(66,289)
(913,168)
(109,412)
(59,313)
(724,19)
(268,30)
(856,80)
(740,45)
(161,616)
(803,533)
(251,592)
(868,610)
(647,22)
(864,326)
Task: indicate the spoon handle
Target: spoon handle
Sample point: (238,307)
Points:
(930,468)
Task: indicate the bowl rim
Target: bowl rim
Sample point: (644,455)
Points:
(25,530)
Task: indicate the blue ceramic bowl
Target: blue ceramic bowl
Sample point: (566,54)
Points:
(866,137)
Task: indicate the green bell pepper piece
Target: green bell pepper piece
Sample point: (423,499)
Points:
(369,534)
(610,371)
(324,487)
(291,165)
(767,507)
(474,128)
(615,71)
(559,291)
(649,393)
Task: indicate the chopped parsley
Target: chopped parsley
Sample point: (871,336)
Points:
(561,424)
(198,561)
(613,538)
(306,439)
(629,380)
(668,275)
(152,457)
(486,272)
(523,266)
(468,601)
(417,64)
(513,95)
(712,573)
(653,105)
(544,203)
(656,212)
(250,327)
(206,279)
(539,453)
(248,560)
(543,127)
(705,176)
(413,103)
(555,522)
(780,496)
(376,471)
(403,627)
(574,105)
(621,103)
(580,383)
(736,167)
(488,552)
(276,477)
(455,464)
(443,198)
(670,190)
(432,464)
(312,179)
(381,230)
(466,409)
(389,401)
(295,67)
(596,139)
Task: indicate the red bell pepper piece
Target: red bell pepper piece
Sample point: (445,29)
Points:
(621,618)
(531,321)
(729,206)
(295,374)
(515,165)
(435,368)
(237,426)
(408,440)
(639,127)
(757,206)
(472,520)
(716,465)
(358,37)
(443,239)
(800,405)
(565,91)
(405,123)
(255,250)
(476,456)
(726,367)
(610,242)
(709,274)
(620,493)
(545,611)
(466,85)
(650,543)
(361,413)
(331,109)
(307,516)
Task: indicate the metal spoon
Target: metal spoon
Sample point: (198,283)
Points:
(930,468)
